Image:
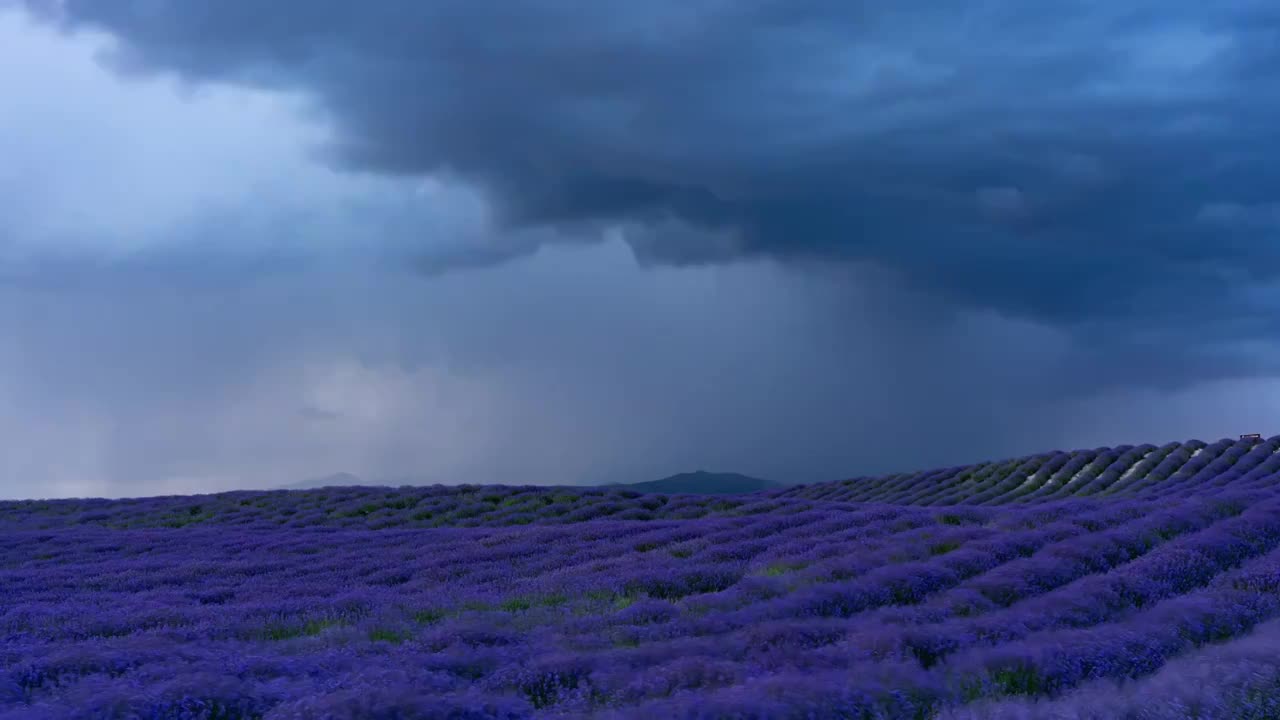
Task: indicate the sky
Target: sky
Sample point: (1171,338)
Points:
(559,242)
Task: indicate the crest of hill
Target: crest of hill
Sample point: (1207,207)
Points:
(1245,467)
(1145,470)
(702,482)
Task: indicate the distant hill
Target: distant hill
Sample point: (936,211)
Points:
(690,483)
(704,483)
(335,480)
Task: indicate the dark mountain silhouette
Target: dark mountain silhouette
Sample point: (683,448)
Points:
(704,483)
(691,483)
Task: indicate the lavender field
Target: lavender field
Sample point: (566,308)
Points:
(1134,582)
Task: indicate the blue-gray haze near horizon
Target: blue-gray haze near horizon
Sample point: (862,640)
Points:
(545,241)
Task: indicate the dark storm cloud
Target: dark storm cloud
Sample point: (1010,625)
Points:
(1078,163)
(190,302)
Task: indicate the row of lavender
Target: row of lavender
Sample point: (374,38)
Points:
(1143,471)
(1239,679)
(811,610)
(1123,471)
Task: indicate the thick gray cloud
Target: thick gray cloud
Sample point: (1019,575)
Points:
(1089,163)
(570,241)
